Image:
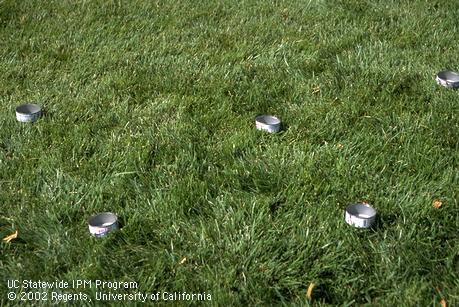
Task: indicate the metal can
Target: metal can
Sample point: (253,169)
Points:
(360,215)
(101,224)
(448,79)
(29,112)
(268,123)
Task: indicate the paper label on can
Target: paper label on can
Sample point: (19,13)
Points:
(356,221)
(269,128)
(99,231)
(103,230)
(27,117)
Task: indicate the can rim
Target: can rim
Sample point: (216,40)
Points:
(268,120)
(28,109)
(356,209)
(102,220)
(448,76)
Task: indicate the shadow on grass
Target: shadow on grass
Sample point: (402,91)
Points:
(384,222)
(322,293)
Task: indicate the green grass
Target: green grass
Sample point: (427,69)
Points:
(150,111)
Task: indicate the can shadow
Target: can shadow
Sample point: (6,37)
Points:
(121,223)
(385,222)
(322,293)
(284,127)
(46,114)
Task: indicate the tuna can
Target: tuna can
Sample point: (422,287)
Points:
(101,224)
(448,79)
(268,123)
(29,112)
(360,215)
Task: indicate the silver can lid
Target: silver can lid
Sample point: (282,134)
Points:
(448,78)
(360,215)
(268,123)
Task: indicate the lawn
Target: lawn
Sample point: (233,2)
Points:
(149,113)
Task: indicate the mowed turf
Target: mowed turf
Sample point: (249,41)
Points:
(150,109)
